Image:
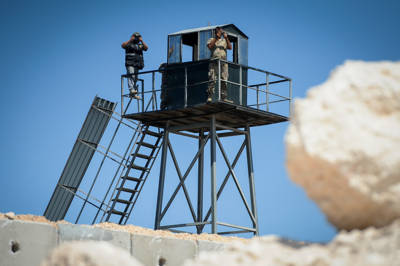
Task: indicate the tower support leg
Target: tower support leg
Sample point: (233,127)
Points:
(251,178)
(162,178)
(200,183)
(213,160)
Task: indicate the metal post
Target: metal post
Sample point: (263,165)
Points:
(200,183)
(266,91)
(251,178)
(122,94)
(241,88)
(142,81)
(186,86)
(258,101)
(290,98)
(162,178)
(153,98)
(219,80)
(213,157)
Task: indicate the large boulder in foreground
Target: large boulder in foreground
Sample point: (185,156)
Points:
(343,144)
(374,247)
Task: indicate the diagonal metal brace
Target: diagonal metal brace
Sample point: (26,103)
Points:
(184,177)
(221,188)
(236,181)
(182,182)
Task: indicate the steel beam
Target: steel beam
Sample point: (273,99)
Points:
(184,134)
(237,226)
(213,161)
(251,179)
(234,232)
(191,126)
(162,178)
(200,183)
(231,128)
(182,225)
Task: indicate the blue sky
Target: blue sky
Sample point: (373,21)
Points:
(57,55)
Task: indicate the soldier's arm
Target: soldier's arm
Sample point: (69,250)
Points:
(145,47)
(211,44)
(124,44)
(228,42)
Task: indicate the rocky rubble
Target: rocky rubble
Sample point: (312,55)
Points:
(133,229)
(89,253)
(343,144)
(373,247)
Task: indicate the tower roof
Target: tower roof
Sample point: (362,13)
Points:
(223,26)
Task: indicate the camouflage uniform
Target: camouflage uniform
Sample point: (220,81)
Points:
(219,51)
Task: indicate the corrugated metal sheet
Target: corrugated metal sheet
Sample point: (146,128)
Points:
(90,135)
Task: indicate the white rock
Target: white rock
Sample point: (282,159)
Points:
(89,253)
(343,144)
(373,247)
(10,215)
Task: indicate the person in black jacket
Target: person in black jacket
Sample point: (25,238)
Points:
(134,60)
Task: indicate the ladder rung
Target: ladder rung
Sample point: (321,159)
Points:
(122,201)
(137,167)
(147,157)
(152,133)
(117,212)
(132,178)
(148,145)
(127,189)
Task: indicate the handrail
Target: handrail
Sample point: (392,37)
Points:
(263,89)
(182,65)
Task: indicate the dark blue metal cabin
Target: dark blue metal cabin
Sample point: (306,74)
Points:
(186,75)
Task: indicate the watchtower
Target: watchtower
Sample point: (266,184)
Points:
(182,85)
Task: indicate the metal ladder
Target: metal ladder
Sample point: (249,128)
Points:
(129,186)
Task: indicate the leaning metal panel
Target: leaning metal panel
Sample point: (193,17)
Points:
(79,159)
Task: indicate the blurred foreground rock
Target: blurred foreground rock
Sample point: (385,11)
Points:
(343,144)
(89,253)
(373,247)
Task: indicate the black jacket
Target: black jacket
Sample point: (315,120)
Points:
(134,55)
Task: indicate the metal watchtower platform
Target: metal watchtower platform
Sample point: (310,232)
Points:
(255,97)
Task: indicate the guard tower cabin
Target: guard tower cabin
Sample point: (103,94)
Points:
(196,64)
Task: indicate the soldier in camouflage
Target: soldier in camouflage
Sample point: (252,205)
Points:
(218,47)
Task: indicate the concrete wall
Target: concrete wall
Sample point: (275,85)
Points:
(28,243)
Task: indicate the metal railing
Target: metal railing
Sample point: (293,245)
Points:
(272,89)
